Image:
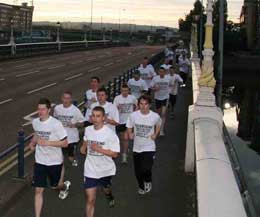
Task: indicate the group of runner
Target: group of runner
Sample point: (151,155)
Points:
(108,126)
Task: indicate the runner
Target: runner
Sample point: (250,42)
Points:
(161,86)
(91,94)
(100,145)
(143,127)
(167,66)
(147,72)
(71,119)
(184,65)
(174,87)
(126,105)
(112,114)
(49,137)
(137,85)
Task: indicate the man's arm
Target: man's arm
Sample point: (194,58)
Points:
(83,148)
(106,152)
(33,142)
(157,131)
(63,143)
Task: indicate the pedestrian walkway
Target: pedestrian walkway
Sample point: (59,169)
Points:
(173,191)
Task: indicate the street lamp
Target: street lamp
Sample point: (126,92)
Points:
(104,33)
(85,27)
(111,34)
(58,25)
(91,20)
(12,41)
(119,23)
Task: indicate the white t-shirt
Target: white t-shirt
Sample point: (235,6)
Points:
(170,55)
(98,165)
(184,64)
(110,110)
(179,50)
(125,106)
(164,87)
(137,87)
(69,115)
(91,97)
(174,84)
(51,130)
(147,74)
(144,128)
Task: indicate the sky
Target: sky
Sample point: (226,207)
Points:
(149,12)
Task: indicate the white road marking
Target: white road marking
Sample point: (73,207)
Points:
(55,67)
(91,59)
(109,64)
(27,73)
(74,63)
(94,69)
(44,61)
(2,79)
(20,66)
(5,101)
(41,88)
(118,61)
(74,76)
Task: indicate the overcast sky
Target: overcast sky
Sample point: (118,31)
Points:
(150,12)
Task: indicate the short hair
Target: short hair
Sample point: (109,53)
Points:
(99,109)
(146,98)
(95,78)
(45,101)
(145,58)
(102,89)
(136,72)
(67,92)
(124,85)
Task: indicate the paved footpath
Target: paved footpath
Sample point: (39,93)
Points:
(173,191)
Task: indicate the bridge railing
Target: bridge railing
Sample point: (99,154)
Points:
(113,87)
(219,188)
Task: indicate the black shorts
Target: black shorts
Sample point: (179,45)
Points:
(70,149)
(44,175)
(160,103)
(105,182)
(121,128)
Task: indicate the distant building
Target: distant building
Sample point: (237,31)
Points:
(20,15)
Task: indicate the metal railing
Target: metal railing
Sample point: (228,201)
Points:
(30,49)
(113,87)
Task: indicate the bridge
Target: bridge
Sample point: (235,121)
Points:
(199,167)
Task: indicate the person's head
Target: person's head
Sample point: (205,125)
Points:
(166,61)
(44,108)
(136,75)
(144,104)
(172,70)
(125,90)
(102,95)
(145,61)
(162,72)
(94,83)
(98,116)
(66,98)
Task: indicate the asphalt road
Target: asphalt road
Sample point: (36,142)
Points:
(24,81)
(173,191)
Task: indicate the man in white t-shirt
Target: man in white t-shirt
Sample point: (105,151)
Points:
(100,146)
(126,105)
(143,127)
(166,65)
(71,118)
(49,137)
(175,81)
(91,94)
(137,85)
(184,66)
(111,111)
(161,86)
(147,72)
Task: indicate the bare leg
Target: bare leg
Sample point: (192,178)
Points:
(38,201)
(90,201)
(125,142)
